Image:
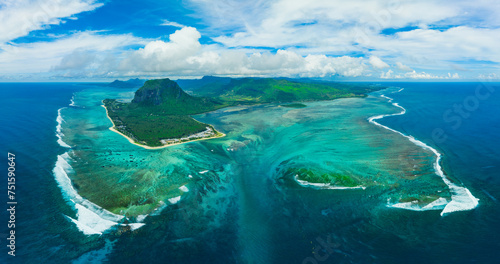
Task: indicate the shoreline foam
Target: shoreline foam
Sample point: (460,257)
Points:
(59,133)
(461,198)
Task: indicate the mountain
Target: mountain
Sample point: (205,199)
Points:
(269,90)
(206,86)
(127,84)
(165,96)
(156,92)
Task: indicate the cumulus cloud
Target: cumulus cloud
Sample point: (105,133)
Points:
(159,55)
(419,75)
(403,67)
(23,16)
(387,75)
(184,55)
(490,76)
(377,63)
(390,74)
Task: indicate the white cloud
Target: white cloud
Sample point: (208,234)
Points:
(184,55)
(490,76)
(416,75)
(419,75)
(342,27)
(89,54)
(171,23)
(23,16)
(310,38)
(403,67)
(332,26)
(456,43)
(69,52)
(159,55)
(377,63)
(386,75)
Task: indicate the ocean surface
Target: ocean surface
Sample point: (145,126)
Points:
(425,157)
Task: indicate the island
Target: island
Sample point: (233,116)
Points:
(131,83)
(160,113)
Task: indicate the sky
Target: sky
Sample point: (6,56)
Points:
(95,40)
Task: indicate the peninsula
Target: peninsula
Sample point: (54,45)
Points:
(160,113)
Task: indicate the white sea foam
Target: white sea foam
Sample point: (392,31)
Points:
(438,204)
(140,218)
(59,133)
(174,200)
(72,101)
(89,222)
(91,219)
(134,226)
(324,185)
(461,198)
(203,172)
(184,188)
(60,173)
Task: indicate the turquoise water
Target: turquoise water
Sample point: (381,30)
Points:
(231,200)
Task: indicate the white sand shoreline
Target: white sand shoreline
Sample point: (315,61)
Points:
(219,135)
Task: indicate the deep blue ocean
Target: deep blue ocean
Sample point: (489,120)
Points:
(461,120)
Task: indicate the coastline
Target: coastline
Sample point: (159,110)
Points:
(219,135)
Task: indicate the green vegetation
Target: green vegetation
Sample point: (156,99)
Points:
(248,90)
(272,90)
(316,176)
(295,105)
(161,110)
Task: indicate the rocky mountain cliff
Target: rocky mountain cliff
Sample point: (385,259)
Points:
(156,92)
